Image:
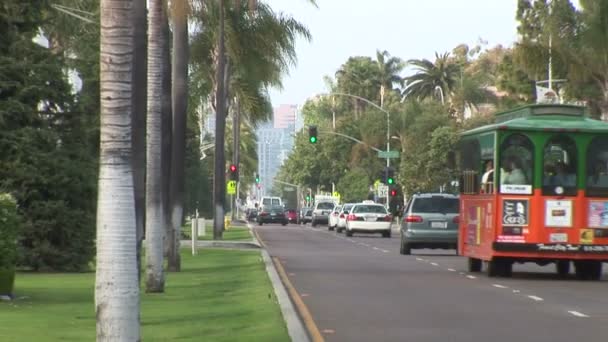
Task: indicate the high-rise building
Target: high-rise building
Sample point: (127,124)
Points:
(284,115)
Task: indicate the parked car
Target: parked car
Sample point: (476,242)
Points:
(305,215)
(271,214)
(321,211)
(430,220)
(292,215)
(251,214)
(333,217)
(342,216)
(369,217)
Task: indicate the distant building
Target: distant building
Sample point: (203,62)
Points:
(285,115)
(274,147)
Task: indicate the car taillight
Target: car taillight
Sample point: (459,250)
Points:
(335,214)
(263,213)
(351,217)
(341,215)
(456,219)
(413,218)
(388,218)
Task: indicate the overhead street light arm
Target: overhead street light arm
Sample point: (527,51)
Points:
(353,139)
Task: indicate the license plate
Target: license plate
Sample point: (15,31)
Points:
(439,224)
(273,214)
(370,218)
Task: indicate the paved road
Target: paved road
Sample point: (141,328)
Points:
(361,289)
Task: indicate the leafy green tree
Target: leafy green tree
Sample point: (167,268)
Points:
(46,138)
(354,186)
(431,78)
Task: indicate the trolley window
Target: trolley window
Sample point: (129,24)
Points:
(470,162)
(516,165)
(597,166)
(559,166)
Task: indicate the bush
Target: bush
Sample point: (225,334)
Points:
(9,228)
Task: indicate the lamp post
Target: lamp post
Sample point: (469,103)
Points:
(388,122)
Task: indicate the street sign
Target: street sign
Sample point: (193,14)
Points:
(382,190)
(231,187)
(376,184)
(337,195)
(388,154)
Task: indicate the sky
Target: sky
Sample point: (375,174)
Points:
(409,29)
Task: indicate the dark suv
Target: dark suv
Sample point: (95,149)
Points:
(272,215)
(430,221)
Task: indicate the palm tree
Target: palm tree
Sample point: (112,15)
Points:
(154,203)
(178,146)
(259,48)
(389,69)
(116,279)
(139,120)
(430,77)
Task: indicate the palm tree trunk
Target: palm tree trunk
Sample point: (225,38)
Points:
(167,122)
(236,132)
(219,189)
(154,218)
(116,283)
(139,120)
(180,111)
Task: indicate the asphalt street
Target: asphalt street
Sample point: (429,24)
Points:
(362,289)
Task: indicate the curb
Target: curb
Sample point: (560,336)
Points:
(295,327)
(223,244)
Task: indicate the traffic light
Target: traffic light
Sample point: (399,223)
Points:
(312,134)
(234,172)
(257,178)
(393,192)
(388,176)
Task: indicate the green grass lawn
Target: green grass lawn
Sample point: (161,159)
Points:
(220,295)
(232,234)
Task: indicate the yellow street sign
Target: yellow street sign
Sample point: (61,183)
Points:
(376,184)
(231,187)
(336,195)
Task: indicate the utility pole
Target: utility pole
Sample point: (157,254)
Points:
(219,184)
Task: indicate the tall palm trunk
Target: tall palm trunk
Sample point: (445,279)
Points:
(139,120)
(167,122)
(236,132)
(154,218)
(180,110)
(116,280)
(219,188)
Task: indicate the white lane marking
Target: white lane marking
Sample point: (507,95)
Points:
(471,277)
(434,264)
(385,251)
(351,240)
(451,270)
(419,259)
(500,286)
(376,248)
(365,244)
(577,314)
(535,298)
(515,291)
(461,273)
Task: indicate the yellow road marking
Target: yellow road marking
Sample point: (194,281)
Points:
(309,322)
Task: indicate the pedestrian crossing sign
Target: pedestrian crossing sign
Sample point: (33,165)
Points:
(231,187)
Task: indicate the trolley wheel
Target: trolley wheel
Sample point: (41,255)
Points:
(474,265)
(563,268)
(588,269)
(498,267)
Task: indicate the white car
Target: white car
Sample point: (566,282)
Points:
(369,217)
(342,217)
(333,217)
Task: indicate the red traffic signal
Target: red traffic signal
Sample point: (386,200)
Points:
(393,192)
(232,168)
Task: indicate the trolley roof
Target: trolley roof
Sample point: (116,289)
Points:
(544,117)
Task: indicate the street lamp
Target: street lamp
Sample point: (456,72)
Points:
(388,121)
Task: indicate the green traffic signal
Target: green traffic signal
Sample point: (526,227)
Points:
(390,181)
(313,139)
